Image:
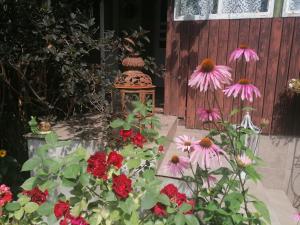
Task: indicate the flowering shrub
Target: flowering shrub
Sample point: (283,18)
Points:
(118,186)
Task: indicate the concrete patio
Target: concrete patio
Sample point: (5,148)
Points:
(280,185)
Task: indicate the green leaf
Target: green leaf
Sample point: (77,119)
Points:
(31,164)
(84,179)
(148,201)
(251,172)
(29,183)
(162,198)
(192,220)
(110,197)
(52,165)
(51,138)
(262,210)
(117,123)
(179,219)
(12,206)
(45,209)
(31,207)
(19,214)
(149,174)
(23,199)
(133,163)
(185,208)
(71,171)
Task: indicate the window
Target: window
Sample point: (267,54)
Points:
(222,9)
(291,8)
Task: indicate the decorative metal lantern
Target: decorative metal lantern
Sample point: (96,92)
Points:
(134,85)
(251,140)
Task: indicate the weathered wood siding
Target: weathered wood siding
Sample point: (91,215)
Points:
(277,41)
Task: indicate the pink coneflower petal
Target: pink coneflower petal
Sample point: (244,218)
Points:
(297,217)
(248,53)
(184,143)
(244,88)
(210,76)
(177,164)
(206,115)
(206,153)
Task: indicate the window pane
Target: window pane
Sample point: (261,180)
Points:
(196,7)
(244,6)
(294,5)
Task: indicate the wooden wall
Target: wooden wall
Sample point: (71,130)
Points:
(277,41)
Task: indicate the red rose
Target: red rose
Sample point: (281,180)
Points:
(180,198)
(61,209)
(170,190)
(64,222)
(5,195)
(37,195)
(125,134)
(97,165)
(78,221)
(138,140)
(115,159)
(121,186)
(159,210)
(192,203)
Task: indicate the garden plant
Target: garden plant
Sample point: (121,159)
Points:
(118,184)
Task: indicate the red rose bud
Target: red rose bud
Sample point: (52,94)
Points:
(125,134)
(61,209)
(121,186)
(115,159)
(159,210)
(97,165)
(170,190)
(37,195)
(138,140)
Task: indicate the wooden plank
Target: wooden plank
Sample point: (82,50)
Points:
(260,78)
(253,43)
(183,74)
(222,52)
(202,54)
(232,45)
(281,101)
(271,76)
(195,29)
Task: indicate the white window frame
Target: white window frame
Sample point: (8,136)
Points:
(220,15)
(286,12)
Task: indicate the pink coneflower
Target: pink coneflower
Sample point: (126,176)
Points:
(297,217)
(248,53)
(177,164)
(184,143)
(206,115)
(208,75)
(243,160)
(206,153)
(244,88)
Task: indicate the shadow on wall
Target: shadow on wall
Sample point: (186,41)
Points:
(286,116)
